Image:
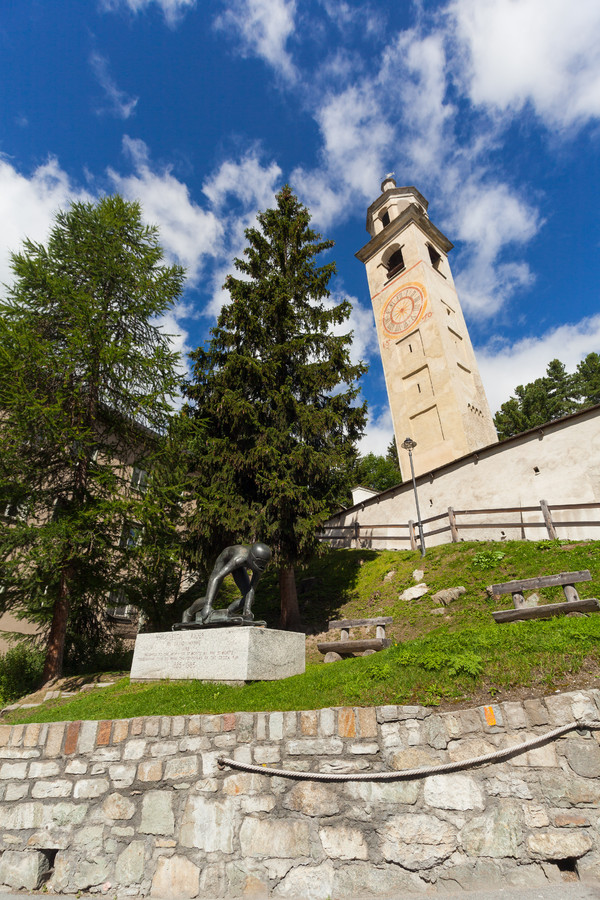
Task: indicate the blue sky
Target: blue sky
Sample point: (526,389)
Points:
(203,110)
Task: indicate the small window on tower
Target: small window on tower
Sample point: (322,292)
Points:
(434,256)
(385,218)
(395,263)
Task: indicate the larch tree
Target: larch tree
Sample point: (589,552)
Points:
(276,392)
(86,377)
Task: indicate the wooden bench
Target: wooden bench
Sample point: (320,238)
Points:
(347,647)
(566,579)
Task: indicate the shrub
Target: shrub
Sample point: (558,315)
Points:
(20,671)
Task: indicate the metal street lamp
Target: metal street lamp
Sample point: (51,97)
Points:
(410,445)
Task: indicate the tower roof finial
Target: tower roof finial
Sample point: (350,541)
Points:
(388,182)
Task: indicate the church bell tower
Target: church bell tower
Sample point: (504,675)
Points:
(433,383)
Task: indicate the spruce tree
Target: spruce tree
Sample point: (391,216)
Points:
(537,402)
(86,377)
(276,392)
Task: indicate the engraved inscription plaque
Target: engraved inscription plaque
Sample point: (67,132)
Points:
(240,654)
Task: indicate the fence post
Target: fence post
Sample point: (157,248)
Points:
(411,532)
(548,520)
(453,526)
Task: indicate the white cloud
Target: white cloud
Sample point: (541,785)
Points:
(28,206)
(252,186)
(263,27)
(360,322)
(413,80)
(504,366)
(543,52)
(379,432)
(188,233)
(490,218)
(173,10)
(121,105)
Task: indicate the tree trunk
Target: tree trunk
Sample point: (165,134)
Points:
(290,613)
(58,631)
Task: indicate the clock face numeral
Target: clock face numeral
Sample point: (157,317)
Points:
(403,310)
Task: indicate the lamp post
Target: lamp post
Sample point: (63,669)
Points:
(410,445)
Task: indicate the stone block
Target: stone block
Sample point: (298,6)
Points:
(367,722)
(103,733)
(157,813)
(413,758)
(366,748)
(260,723)
(61,787)
(343,842)
(181,767)
(583,757)
(560,708)
(74,767)
(87,737)
(453,792)
(496,835)
(387,713)
(229,654)
(315,747)
(31,736)
(13,771)
(23,869)
(536,712)
(129,867)
(90,788)
(150,770)
(417,841)
(346,722)
(267,754)
(207,825)
(116,806)
(134,749)
(176,878)
(559,844)
(308,723)
(392,793)
(308,882)
(276,726)
(271,838)
(122,775)
(120,731)
(312,799)
(164,748)
(515,715)
(245,783)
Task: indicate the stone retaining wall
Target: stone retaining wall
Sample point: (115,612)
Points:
(140,806)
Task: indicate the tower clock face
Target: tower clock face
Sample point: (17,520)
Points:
(403,310)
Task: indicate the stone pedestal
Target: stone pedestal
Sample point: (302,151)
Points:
(219,654)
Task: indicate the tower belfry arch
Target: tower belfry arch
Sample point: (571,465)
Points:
(434,387)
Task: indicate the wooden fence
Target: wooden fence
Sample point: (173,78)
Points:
(459,523)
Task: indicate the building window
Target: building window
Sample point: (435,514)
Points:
(385,218)
(395,263)
(130,536)
(435,257)
(139,479)
(118,608)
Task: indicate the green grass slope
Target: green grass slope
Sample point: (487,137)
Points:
(459,657)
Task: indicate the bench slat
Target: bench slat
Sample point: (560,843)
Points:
(590,604)
(533,584)
(354,646)
(350,623)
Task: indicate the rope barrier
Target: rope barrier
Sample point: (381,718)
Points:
(424,771)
